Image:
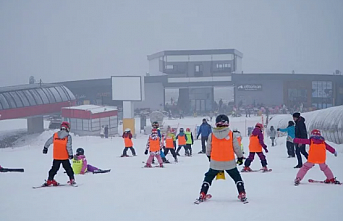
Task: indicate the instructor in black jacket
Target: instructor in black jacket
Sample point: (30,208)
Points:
(300,132)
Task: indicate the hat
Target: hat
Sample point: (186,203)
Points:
(297,115)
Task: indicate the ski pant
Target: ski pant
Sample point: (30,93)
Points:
(300,148)
(203,145)
(151,157)
(189,148)
(251,159)
(56,166)
(132,151)
(290,148)
(233,173)
(323,167)
(91,168)
(273,139)
(172,150)
(179,148)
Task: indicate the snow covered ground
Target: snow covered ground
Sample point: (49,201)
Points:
(130,192)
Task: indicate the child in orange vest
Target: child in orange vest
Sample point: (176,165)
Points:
(169,140)
(255,147)
(127,135)
(316,155)
(153,145)
(182,140)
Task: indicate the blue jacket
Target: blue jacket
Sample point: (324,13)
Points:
(290,131)
(204,130)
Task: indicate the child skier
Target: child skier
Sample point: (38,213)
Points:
(316,155)
(189,141)
(221,149)
(255,147)
(182,140)
(127,135)
(154,145)
(62,152)
(156,125)
(272,134)
(290,136)
(80,165)
(169,144)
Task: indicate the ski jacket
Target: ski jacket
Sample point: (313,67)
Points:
(272,133)
(204,130)
(102,131)
(79,164)
(300,128)
(127,139)
(318,147)
(290,133)
(62,145)
(256,141)
(221,137)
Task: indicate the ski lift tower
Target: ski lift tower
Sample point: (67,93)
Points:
(128,89)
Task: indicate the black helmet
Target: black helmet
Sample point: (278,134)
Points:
(222,120)
(155,124)
(80,151)
(181,129)
(290,123)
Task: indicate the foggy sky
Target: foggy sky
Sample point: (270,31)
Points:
(70,40)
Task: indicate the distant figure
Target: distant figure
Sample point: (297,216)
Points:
(300,132)
(127,135)
(102,131)
(272,134)
(290,136)
(247,112)
(204,130)
(106,131)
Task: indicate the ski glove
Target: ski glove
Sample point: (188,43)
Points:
(335,153)
(45,150)
(265,149)
(240,161)
(146,152)
(278,129)
(71,156)
(209,158)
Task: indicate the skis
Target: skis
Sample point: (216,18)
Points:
(207,197)
(263,171)
(321,181)
(10,170)
(102,171)
(43,186)
(155,166)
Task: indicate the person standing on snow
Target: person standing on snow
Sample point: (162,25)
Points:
(317,155)
(290,136)
(189,141)
(102,131)
(255,147)
(272,134)
(221,149)
(62,152)
(156,125)
(169,144)
(154,145)
(182,140)
(127,135)
(300,132)
(204,130)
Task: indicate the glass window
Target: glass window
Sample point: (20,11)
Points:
(23,98)
(16,98)
(50,95)
(3,102)
(43,95)
(10,100)
(169,66)
(37,97)
(56,94)
(62,93)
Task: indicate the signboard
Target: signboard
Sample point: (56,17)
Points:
(249,87)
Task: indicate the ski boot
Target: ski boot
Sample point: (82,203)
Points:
(333,181)
(298,166)
(148,165)
(50,183)
(161,165)
(202,197)
(165,160)
(297,181)
(72,182)
(176,160)
(246,169)
(124,155)
(242,197)
(265,169)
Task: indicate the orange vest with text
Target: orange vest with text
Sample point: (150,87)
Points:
(128,142)
(254,144)
(317,153)
(182,140)
(154,145)
(60,148)
(222,149)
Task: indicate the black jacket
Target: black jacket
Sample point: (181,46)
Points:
(300,128)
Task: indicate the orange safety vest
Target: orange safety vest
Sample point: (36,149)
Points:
(254,144)
(169,143)
(128,142)
(60,148)
(317,153)
(239,139)
(154,144)
(222,149)
(182,140)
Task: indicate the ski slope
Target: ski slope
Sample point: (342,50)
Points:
(130,192)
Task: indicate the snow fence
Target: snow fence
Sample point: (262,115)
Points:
(329,121)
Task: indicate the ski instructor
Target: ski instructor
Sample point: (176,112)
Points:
(204,130)
(62,152)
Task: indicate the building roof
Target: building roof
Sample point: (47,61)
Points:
(195,52)
(94,109)
(33,94)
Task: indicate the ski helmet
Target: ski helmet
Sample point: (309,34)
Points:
(155,124)
(181,129)
(127,130)
(290,123)
(65,126)
(222,120)
(188,129)
(259,125)
(316,132)
(80,151)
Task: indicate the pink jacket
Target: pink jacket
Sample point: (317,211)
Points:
(316,140)
(84,162)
